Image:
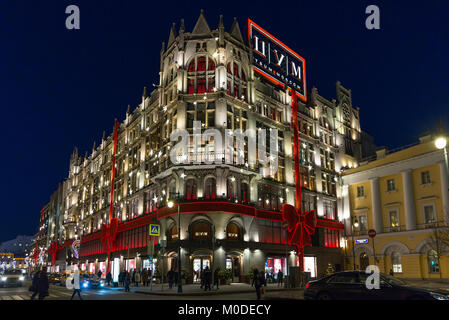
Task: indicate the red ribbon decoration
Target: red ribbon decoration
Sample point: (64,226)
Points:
(109,232)
(301,226)
(53,251)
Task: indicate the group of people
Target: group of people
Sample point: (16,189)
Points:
(126,278)
(40,285)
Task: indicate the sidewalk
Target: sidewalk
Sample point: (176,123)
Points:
(195,290)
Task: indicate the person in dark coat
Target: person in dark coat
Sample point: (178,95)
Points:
(176,278)
(258,281)
(216,280)
(109,278)
(170,277)
(280,278)
(34,285)
(208,278)
(127,280)
(121,278)
(255,274)
(202,278)
(391,273)
(42,284)
(99,273)
(145,277)
(133,279)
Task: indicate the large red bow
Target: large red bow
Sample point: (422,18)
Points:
(109,232)
(300,226)
(53,251)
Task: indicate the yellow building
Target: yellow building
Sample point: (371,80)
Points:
(402,195)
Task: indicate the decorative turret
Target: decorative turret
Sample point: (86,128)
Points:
(201,26)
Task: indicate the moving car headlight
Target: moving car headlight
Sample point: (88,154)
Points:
(439,296)
(101,283)
(22,278)
(85,284)
(4,278)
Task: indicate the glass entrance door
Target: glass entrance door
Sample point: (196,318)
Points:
(199,263)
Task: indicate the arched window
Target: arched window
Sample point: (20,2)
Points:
(236,81)
(201,230)
(172,189)
(364,261)
(201,75)
(173,234)
(230,190)
(396,262)
(210,189)
(191,189)
(434,266)
(233,231)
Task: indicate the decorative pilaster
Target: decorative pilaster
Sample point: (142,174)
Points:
(409,200)
(376,209)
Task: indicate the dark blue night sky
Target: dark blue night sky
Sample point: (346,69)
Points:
(61,88)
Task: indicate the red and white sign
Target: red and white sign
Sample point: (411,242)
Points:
(372,233)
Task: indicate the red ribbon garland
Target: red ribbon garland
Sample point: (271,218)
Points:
(109,233)
(301,226)
(53,251)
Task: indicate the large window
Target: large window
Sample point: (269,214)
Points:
(394,220)
(210,190)
(396,262)
(434,266)
(330,211)
(360,191)
(429,214)
(390,185)
(201,230)
(236,81)
(425,177)
(191,189)
(233,231)
(331,238)
(201,75)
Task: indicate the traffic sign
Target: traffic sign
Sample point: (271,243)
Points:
(155,230)
(372,233)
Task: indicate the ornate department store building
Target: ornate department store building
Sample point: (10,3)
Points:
(224,215)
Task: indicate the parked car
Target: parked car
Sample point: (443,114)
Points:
(12,278)
(90,281)
(351,285)
(55,278)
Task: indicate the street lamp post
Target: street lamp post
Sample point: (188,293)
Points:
(356,225)
(441,143)
(170,205)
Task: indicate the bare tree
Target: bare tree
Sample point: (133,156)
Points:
(439,240)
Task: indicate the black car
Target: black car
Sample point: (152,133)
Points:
(351,285)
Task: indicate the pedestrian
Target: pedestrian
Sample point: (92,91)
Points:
(76,285)
(127,280)
(109,278)
(34,285)
(280,278)
(42,284)
(133,278)
(170,277)
(208,278)
(145,277)
(391,273)
(177,277)
(255,274)
(137,278)
(216,280)
(202,278)
(150,276)
(99,273)
(257,282)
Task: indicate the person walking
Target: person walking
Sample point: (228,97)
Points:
(99,273)
(216,280)
(144,277)
(109,278)
(138,278)
(133,278)
(208,278)
(121,278)
(280,278)
(257,282)
(76,285)
(150,276)
(255,274)
(170,276)
(42,284)
(34,285)
(202,278)
(391,273)
(127,280)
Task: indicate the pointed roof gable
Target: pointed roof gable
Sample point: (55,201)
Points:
(235,30)
(172,35)
(201,26)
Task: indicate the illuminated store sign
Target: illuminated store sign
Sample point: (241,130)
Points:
(361,241)
(277,62)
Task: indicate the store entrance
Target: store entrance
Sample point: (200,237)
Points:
(233,264)
(199,263)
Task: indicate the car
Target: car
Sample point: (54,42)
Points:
(90,281)
(54,278)
(351,285)
(12,278)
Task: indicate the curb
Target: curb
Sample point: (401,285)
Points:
(211,293)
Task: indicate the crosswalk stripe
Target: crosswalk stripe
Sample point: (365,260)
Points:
(6,298)
(17,297)
(25,297)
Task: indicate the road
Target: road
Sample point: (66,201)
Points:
(62,293)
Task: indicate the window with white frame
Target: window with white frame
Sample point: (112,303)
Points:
(396,262)
(434,266)
(429,214)
(363,223)
(390,185)
(360,191)
(394,220)
(425,177)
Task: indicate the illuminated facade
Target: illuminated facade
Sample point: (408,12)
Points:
(230,214)
(404,196)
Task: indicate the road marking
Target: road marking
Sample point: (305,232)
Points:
(17,298)
(6,298)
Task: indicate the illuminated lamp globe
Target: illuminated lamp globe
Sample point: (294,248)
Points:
(170,204)
(356,223)
(440,143)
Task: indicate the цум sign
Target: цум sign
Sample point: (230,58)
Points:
(277,62)
(361,241)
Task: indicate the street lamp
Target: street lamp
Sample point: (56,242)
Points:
(354,224)
(170,205)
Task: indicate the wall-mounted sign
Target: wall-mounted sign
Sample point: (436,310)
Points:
(277,62)
(361,241)
(155,230)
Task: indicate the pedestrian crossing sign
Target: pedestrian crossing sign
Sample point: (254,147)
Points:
(155,230)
